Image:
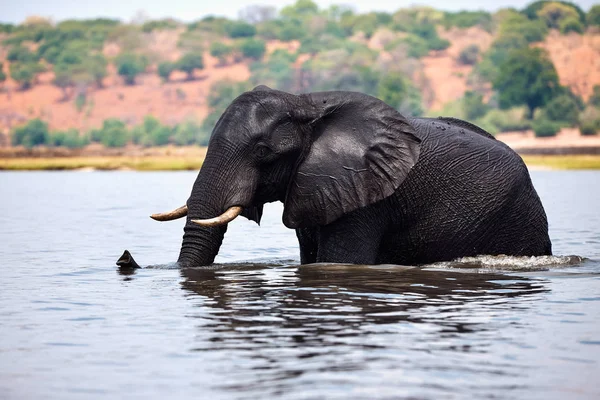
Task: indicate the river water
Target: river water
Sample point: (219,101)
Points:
(260,326)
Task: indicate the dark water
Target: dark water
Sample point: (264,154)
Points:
(259,326)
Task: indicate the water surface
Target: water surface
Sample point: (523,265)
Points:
(260,326)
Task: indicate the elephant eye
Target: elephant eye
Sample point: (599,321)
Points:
(262,150)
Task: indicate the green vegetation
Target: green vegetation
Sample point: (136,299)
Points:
(24,74)
(34,133)
(164,70)
(595,97)
(189,62)
(253,48)
(340,49)
(545,128)
(528,77)
(593,16)
(130,65)
(239,29)
(221,51)
(590,120)
(469,55)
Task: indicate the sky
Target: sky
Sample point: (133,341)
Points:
(188,10)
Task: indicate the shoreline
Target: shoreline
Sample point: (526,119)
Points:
(193,162)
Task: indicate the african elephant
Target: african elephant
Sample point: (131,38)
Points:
(361,183)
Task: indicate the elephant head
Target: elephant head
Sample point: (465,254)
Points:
(321,154)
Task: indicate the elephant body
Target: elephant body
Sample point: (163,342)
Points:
(361,183)
(445,209)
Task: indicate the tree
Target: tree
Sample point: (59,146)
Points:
(34,133)
(469,55)
(553,13)
(571,24)
(63,78)
(593,16)
(129,66)
(187,133)
(527,76)
(165,69)
(69,138)
(2,74)
(95,66)
(300,9)
(532,31)
(190,62)
(531,11)
(24,73)
(21,54)
(395,90)
(253,48)
(221,51)
(474,106)
(238,29)
(595,97)
(563,108)
(112,134)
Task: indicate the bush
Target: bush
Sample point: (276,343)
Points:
(2,74)
(69,138)
(467,19)
(188,133)
(165,69)
(562,108)
(589,128)
(495,120)
(238,29)
(112,134)
(593,16)
(21,54)
(571,25)
(24,74)
(190,62)
(527,76)
(531,30)
(469,55)
(161,24)
(34,133)
(253,48)
(590,121)
(595,97)
(545,128)
(151,132)
(277,71)
(474,105)
(220,51)
(129,66)
(396,91)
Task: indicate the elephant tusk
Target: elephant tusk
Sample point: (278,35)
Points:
(226,217)
(171,215)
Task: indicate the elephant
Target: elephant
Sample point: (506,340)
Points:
(361,183)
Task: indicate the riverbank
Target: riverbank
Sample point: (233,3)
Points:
(194,162)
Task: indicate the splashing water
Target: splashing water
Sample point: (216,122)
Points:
(486,263)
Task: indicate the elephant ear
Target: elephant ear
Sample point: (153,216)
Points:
(362,150)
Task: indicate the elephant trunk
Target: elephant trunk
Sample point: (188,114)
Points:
(219,194)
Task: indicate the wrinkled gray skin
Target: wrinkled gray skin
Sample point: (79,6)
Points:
(362,184)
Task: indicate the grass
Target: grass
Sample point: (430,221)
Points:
(146,163)
(194,162)
(564,162)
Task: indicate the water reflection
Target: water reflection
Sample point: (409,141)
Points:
(304,301)
(335,318)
